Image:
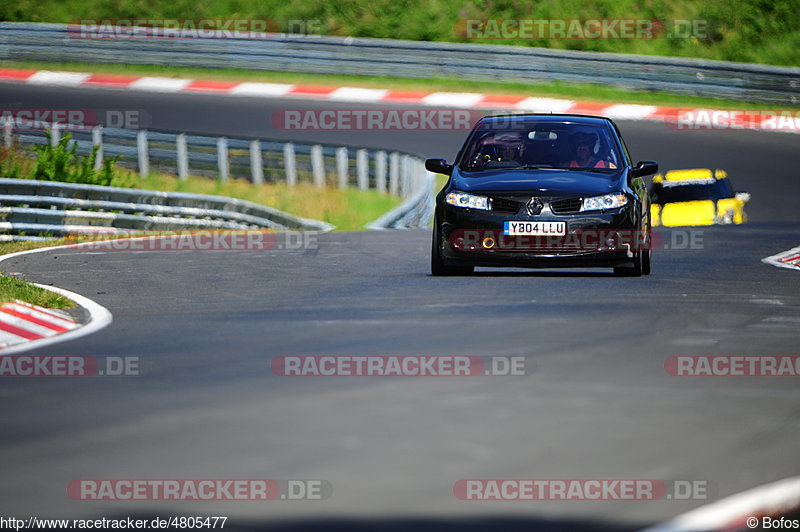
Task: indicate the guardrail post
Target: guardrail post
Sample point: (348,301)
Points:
(97,141)
(55,134)
(290,163)
(380,171)
(405,177)
(144,155)
(419,175)
(8,124)
(256,164)
(394,173)
(317,165)
(362,169)
(343,167)
(222,158)
(183,156)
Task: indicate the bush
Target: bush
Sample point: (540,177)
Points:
(62,163)
(10,165)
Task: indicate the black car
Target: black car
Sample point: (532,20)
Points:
(542,191)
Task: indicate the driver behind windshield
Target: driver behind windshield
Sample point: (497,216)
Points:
(504,150)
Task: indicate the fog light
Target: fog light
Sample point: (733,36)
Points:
(488,242)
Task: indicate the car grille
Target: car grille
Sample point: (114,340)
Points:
(505,205)
(566,206)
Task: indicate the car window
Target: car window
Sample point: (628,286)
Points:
(541,145)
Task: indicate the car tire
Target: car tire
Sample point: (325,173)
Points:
(438,267)
(631,271)
(647,253)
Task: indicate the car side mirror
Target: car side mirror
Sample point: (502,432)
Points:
(743,196)
(644,168)
(438,166)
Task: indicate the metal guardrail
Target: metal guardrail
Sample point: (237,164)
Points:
(416,212)
(56,208)
(219,157)
(34,208)
(395,58)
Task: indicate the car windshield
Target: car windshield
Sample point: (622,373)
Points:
(541,145)
(673,193)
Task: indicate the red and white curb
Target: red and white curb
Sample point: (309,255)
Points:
(678,116)
(24,326)
(21,322)
(742,511)
(786,259)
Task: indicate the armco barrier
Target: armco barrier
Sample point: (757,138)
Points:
(395,58)
(37,208)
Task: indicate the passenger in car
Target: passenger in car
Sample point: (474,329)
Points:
(584,146)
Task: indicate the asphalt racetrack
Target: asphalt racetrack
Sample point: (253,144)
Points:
(596,401)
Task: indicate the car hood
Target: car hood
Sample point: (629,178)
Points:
(544,182)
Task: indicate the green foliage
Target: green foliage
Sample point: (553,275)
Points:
(10,166)
(763,31)
(62,163)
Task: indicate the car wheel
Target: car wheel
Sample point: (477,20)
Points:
(438,267)
(631,271)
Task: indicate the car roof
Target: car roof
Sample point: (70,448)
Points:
(586,120)
(692,176)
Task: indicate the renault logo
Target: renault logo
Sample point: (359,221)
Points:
(535,206)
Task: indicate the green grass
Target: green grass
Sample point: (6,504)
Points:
(573,91)
(348,209)
(757,31)
(13,288)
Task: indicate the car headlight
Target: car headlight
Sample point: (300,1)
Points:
(468,201)
(608,201)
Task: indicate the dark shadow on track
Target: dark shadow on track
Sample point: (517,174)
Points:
(537,273)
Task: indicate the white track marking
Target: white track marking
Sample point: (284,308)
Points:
(784,259)
(771,499)
(357,94)
(545,105)
(47,77)
(629,112)
(261,89)
(160,84)
(453,99)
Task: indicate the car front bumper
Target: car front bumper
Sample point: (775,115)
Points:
(594,239)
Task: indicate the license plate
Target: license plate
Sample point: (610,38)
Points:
(535,228)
